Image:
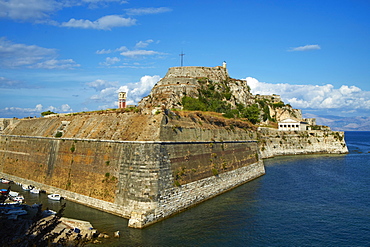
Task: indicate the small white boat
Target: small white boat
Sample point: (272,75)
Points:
(13,193)
(5,181)
(18,199)
(35,191)
(55,197)
(27,187)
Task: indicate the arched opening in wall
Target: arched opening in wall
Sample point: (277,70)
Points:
(178,82)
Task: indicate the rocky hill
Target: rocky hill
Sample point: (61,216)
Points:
(212,89)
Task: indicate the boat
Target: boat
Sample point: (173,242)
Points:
(5,181)
(18,199)
(13,193)
(3,191)
(35,191)
(27,187)
(55,197)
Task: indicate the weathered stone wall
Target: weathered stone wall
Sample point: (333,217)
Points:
(213,73)
(179,198)
(121,177)
(176,160)
(133,179)
(274,142)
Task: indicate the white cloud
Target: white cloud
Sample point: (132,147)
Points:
(345,98)
(100,85)
(41,10)
(147,11)
(110,61)
(98,3)
(56,64)
(104,23)
(138,90)
(143,44)
(14,55)
(131,54)
(108,91)
(103,51)
(36,111)
(28,9)
(305,48)
(138,53)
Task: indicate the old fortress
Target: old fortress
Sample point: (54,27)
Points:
(150,162)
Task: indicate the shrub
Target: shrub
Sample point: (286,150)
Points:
(45,113)
(59,134)
(215,171)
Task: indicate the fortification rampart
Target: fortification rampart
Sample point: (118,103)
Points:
(144,181)
(275,143)
(213,73)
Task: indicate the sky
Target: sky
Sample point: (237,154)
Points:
(76,55)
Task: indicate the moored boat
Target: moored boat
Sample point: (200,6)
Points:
(13,193)
(27,187)
(35,191)
(5,181)
(18,199)
(55,197)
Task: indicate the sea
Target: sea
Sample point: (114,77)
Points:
(304,200)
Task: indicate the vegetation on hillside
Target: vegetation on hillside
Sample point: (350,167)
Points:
(216,97)
(45,113)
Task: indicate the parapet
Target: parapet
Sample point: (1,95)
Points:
(217,73)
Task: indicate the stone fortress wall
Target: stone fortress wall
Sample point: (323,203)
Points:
(145,176)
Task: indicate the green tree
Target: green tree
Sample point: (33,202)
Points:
(252,113)
(45,113)
(193,104)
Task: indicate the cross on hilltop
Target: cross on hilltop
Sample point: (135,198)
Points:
(182,58)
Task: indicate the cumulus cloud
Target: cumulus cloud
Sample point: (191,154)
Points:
(139,53)
(305,48)
(138,90)
(36,10)
(56,64)
(97,3)
(14,55)
(103,51)
(36,111)
(147,11)
(135,53)
(110,61)
(108,91)
(100,85)
(326,96)
(28,9)
(104,23)
(143,44)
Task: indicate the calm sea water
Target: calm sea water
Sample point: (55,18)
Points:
(313,200)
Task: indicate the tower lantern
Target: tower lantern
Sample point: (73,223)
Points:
(122,100)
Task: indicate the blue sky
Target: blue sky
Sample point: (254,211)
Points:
(72,56)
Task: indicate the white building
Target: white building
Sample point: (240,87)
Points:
(289,124)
